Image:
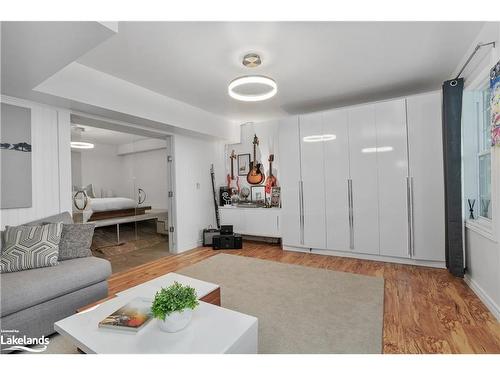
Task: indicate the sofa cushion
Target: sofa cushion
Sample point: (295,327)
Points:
(28,247)
(24,289)
(75,241)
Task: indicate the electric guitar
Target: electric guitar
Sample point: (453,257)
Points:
(271,180)
(256,174)
(230,176)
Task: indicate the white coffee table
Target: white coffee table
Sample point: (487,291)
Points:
(213,329)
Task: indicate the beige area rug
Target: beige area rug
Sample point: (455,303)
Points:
(300,309)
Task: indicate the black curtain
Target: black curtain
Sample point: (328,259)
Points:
(452,148)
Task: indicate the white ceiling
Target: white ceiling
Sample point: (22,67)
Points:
(316,64)
(102,136)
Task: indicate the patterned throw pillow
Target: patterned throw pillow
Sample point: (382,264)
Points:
(28,247)
(75,241)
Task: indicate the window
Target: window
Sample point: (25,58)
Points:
(476,127)
(484,154)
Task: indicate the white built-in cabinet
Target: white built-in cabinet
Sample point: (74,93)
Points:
(373,184)
(262,222)
(336,172)
(426,177)
(313,181)
(392,176)
(290,181)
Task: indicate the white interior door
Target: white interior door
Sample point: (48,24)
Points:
(289,174)
(392,162)
(363,170)
(313,180)
(335,123)
(426,171)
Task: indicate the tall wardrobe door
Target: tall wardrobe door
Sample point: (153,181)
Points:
(426,171)
(313,180)
(363,170)
(289,159)
(335,123)
(392,161)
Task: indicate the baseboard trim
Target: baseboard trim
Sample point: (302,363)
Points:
(379,258)
(481,294)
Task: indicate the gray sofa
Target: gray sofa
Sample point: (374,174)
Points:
(33,300)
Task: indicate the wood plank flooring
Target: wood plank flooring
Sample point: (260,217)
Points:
(426,310)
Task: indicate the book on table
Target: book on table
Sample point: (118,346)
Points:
(131,317)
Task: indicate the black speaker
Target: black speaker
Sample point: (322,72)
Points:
(226,230)
(233,241)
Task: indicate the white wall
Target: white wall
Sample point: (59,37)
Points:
(51,178)
(194,197)
(101,167)
(148,171)
(481,246)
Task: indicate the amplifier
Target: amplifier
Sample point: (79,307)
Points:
(233,241)
(208,235)
(226,229)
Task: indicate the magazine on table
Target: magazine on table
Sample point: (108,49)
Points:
(132,317)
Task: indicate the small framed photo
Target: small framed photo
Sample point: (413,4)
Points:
(258,194)
(243,164)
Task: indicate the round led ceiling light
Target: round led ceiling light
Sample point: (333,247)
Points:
(85,145)
(252,88)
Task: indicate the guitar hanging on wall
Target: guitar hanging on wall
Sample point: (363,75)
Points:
(230,176)
(271,179)
(256,174)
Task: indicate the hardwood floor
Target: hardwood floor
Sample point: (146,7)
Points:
(426,310)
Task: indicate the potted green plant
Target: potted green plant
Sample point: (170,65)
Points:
(173,306)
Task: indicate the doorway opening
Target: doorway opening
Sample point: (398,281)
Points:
(122,183)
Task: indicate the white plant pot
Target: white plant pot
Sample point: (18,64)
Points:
(176,321)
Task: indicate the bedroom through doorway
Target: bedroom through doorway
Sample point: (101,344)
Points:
(120,182)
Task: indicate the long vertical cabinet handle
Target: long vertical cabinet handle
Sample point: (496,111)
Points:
(412,222)
(301,208)
(409,209)
(351,213)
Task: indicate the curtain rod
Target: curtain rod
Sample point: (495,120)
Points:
(472,55)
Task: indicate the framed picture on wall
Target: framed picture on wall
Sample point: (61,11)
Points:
(243,164)
(258,194)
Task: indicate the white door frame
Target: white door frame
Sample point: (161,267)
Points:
(126,127)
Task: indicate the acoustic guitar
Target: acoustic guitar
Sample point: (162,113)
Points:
(256,174)
(270,180)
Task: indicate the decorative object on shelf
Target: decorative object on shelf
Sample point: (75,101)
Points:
(271,179)
(235,198)
(141,196)
(256,174)
(212,176)
(15,152)
(225,196)
(471,203)
(173,306)
(495,104)
(80,203)
(244,194)
(243,164)
(258,194)
(276,196)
